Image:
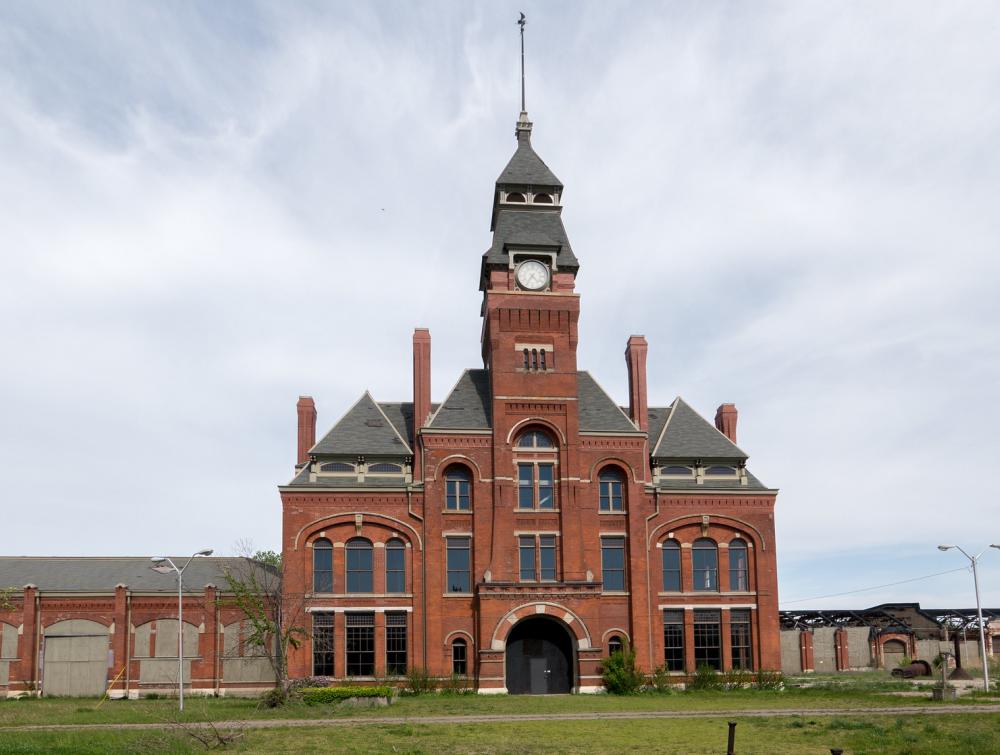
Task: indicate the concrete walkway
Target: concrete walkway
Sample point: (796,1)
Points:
(908,710)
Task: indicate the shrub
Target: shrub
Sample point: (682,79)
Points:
(904,662)
(274,698)
(456,684)
(769,680)
(705,678)
(737,678)
(320,695)
(620,675)
(419,682)
(660,680)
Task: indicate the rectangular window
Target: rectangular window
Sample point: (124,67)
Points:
(673,640)
(739,638)
(526,551)
(547,557)
(546,494)
(360,644)
(671,566)
(613,563)
(395,567)
(457,493)
(322,639)
(459,658)
(708,639)
(459,564)
(525,486)
(395,644)
(611,495)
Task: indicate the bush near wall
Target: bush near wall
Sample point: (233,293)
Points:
(321,695)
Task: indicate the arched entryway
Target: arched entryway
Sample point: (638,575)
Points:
(893,652)
(539,658)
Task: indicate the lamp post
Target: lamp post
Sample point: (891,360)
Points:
(974,560)
(165,565)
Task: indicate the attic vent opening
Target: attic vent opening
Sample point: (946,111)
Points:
(515,196)
(543,199)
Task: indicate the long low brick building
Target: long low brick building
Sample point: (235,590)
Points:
(83,626)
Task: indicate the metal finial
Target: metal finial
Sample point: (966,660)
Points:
(520,22)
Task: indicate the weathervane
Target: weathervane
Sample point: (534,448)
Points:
(521,22)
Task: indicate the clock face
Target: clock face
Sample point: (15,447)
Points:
(532,275)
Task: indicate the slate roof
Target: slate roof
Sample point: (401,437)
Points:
(366,429)
(529,229)
(467,406)
(598,413)
(711,483)
(102,574)
(688,435)
(657,418)
(526,168)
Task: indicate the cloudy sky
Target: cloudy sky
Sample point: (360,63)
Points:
(207,209)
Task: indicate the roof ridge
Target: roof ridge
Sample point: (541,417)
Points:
(342,418)
(447,396)
(663,430)
(608,395)
(386,418)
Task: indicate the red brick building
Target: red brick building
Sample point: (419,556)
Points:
(527,525)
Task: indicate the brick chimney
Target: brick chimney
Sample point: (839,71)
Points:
(306,409)
(635,358)
(725,420)
(421,377)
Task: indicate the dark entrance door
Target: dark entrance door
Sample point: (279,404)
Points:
(539,658)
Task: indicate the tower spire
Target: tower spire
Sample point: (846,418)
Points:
(524,111)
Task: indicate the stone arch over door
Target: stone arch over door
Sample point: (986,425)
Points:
(578,630)
(540,657)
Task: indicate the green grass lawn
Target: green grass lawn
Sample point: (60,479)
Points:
(862,693)
(964,733)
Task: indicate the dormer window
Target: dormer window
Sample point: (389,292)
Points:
(720,471)
(676,470)
(385,468)
(515,196)
(337,467)
(542,199)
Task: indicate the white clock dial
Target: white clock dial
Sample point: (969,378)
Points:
(532,275)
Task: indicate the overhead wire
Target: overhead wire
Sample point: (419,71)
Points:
(876,587)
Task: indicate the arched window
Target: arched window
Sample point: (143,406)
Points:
(718,471)
(395,566)
(611,481)
(705,562)
(615,645)
(542,355)
(535,439)
(543,199)
(739,566)
(527,360)
(322,565)
(671,566)
(515,196)
(534,359)
(459,657)
(385,468)
(359,565)
(456,484)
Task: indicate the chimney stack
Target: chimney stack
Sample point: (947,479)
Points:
(725,420)
(635,358)
(306,409)
(421,377)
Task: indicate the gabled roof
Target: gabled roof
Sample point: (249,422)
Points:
(467,406)
(365,429)
(526,168)
(527,229)
(598,413)
(657,418)
(688,435)
(103,574)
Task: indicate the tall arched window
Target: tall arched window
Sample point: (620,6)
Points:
(739,567)
(615,645)
(322,565)
(457,483)
(671,566)
(359,565)
(705,563)
(535,439)
(611,483)
(459,657)
(395,566)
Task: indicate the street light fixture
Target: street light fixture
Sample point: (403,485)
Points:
(974,560)
(165,565)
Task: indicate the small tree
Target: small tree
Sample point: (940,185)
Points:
(254,587)
(6,603)
(619,672)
